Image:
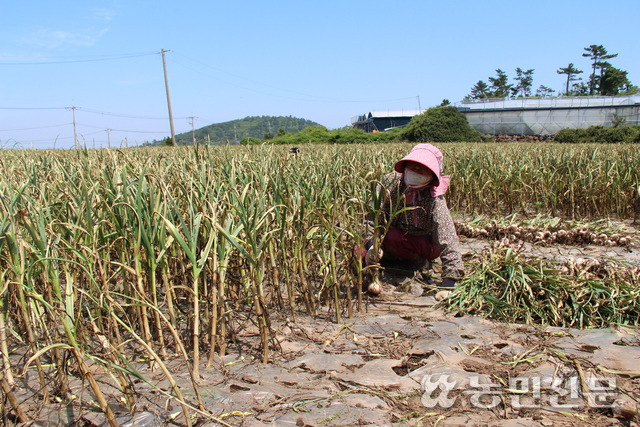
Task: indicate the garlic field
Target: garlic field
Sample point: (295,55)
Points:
(111,256)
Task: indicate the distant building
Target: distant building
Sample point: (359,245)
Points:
(380,121)
(524,116)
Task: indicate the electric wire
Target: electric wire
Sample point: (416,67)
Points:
(89,110)
(120,130)
(202,67)
(33,108)
(128,116)
(36,128)
(74,61)
(309,97)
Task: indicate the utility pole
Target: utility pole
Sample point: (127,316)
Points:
(166,85)
(75,132)
(108,138)
(193,131)
(419,108)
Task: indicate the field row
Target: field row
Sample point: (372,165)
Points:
(169,247)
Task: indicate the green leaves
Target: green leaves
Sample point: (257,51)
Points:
(98,243)
(506,286)
(440,124)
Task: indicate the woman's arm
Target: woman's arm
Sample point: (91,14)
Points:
(446,236)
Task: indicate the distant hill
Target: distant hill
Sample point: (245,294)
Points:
(236,130)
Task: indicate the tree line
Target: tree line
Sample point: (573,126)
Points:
(232,132)
(603,80)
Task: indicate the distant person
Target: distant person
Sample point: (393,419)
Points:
(424,231)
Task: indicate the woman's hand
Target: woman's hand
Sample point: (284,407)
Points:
(372,257)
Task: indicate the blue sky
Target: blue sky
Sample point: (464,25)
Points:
(325,61)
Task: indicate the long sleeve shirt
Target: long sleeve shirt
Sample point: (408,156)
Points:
(418,213)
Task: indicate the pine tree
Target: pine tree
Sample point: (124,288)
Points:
(480,90)
(525,81)
(571,72)
(615,81)
(598,55)
(500,87)
(544,91)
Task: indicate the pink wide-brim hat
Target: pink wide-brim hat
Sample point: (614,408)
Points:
(429,156)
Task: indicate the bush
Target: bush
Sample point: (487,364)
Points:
(309,135)
(346,135)
(610,135)
(358,136)
(570,136)
(250,141)
(622,134)
(597,134)
(440,124)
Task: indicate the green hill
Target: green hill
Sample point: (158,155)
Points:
(236,130)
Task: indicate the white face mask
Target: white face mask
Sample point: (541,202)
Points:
(416,180)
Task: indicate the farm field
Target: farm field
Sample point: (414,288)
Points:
(217,286)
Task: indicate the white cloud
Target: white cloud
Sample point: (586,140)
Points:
(59,38)
(106,14)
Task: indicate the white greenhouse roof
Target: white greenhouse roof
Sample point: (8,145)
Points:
(568,102)
(396,113)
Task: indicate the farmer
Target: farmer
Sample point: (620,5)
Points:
(421,227)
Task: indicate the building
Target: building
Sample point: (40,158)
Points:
(380,121)
(525,116)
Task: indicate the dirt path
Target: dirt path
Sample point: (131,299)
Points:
(377,369)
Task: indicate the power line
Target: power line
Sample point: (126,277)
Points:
(33,108)
(85,110)
(72,61)
(121,130)
(300,96)
(35,128)
(57,138)
(127,116)
(95,132)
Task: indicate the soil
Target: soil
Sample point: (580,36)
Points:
(377,368)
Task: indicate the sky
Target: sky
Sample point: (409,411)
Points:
(98,64)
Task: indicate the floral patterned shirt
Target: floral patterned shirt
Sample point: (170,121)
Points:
(418,213)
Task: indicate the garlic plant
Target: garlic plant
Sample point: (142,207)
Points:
(161,251)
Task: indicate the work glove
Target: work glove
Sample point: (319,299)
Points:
(447,286)
(442,295)
(372,257)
